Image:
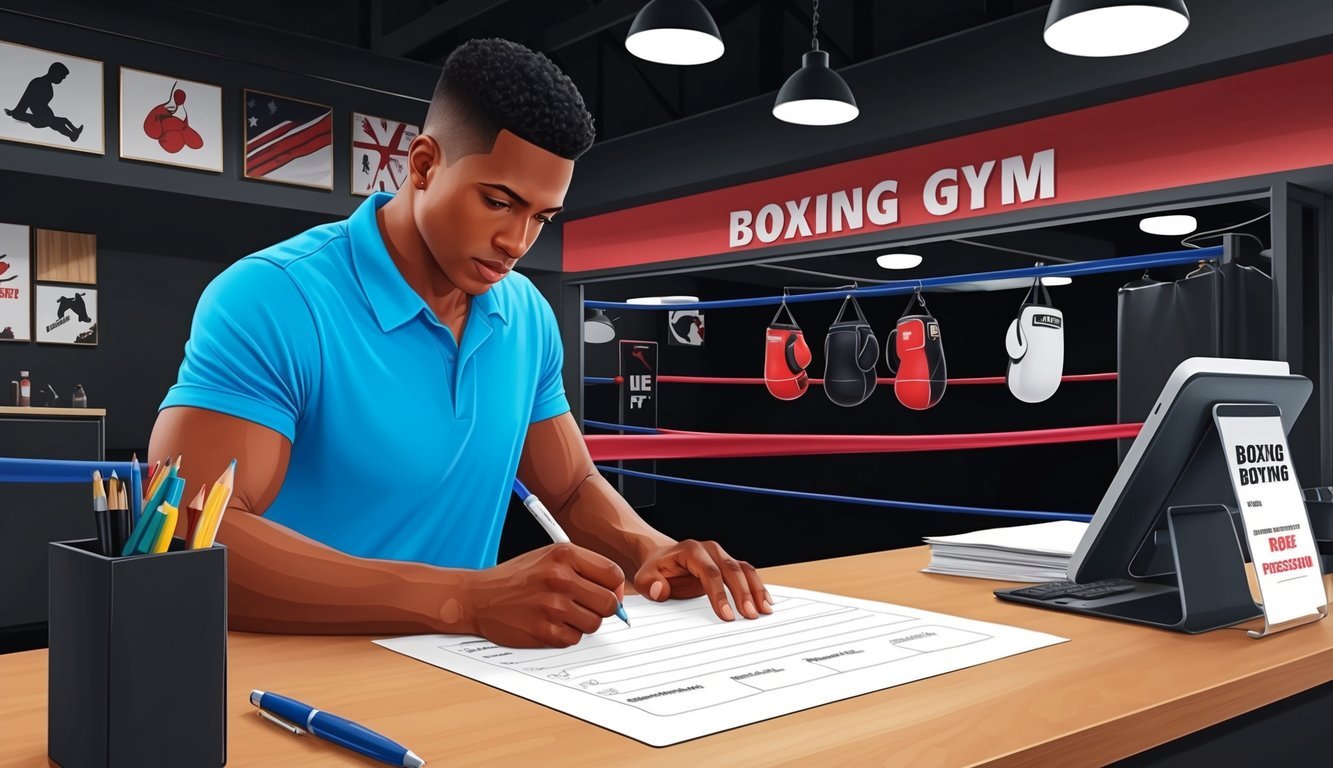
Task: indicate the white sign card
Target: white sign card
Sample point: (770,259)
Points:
(1277,527)
(50,98)
(15,283)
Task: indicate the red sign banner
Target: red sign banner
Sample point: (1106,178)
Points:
(1274,119)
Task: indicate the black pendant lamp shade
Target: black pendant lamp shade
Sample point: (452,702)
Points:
(674,32)
(598,328)
(815,94)
(1114,27)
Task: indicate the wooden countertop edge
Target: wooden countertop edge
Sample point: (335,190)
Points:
(14,410)
(1141,730)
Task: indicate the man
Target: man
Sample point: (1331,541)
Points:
(34,107)
(382,380)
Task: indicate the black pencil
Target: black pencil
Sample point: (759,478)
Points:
(100,515)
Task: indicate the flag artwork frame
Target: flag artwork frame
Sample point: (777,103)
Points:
(297,151)
(379,154)
(170,120)
(44,106)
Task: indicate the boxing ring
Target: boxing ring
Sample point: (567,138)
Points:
(635,442)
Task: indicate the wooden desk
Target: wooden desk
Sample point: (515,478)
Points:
(1114,690)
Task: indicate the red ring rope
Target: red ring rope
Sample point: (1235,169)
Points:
(888,381)
(719,445)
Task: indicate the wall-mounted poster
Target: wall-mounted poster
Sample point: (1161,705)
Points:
(15,284)
(288,140)
(169,120)
(379,153)
(685,328)
(50,98)
(66,314)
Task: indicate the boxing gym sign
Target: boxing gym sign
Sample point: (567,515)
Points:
(1104,151)
(1277,527)
(1020,180)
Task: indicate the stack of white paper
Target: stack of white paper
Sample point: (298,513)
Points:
(1037,552)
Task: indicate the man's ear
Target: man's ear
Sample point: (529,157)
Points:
(423,154)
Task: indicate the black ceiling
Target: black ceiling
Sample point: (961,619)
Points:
(764,40)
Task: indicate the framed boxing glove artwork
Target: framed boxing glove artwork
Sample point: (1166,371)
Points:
(15,283)
(170,120)
(685,328)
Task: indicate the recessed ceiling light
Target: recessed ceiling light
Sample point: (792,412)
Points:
(663,300)
(898,260)
(1050,281)
(1174,224)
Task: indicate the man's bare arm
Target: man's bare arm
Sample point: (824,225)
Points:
(279,580)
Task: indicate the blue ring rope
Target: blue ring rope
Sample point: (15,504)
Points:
(1019,513)
(1119,264)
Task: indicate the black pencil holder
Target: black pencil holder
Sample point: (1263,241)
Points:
(138,657)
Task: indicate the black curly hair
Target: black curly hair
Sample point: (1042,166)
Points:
(491,85)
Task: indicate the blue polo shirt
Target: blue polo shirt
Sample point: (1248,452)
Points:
(404,443)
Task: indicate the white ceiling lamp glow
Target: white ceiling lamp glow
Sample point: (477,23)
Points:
(1174,224)
(898,260)
(663,300)
(598,328)
(815,94)
(1053,281)
(1114,27)
(674,32)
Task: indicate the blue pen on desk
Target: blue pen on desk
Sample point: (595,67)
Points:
(551,527)
(302,718)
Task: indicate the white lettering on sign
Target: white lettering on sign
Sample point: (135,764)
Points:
(1020,180)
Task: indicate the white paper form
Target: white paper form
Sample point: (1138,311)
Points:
(680,672)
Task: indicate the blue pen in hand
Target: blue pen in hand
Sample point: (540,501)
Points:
(302,718)
(551,527)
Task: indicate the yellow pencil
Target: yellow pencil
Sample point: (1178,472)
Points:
(214,508)
(163,542)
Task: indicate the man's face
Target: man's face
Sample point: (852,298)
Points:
(479,215)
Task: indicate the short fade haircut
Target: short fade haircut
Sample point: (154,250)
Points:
(491,85)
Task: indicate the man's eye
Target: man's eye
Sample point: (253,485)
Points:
(497,203)
(544,219)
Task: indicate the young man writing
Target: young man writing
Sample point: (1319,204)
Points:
(383,379)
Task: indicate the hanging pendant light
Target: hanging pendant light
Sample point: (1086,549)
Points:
(1114,27)
(815,94)
(674,32)
(598,328)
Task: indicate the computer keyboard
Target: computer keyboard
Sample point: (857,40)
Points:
(1088,591)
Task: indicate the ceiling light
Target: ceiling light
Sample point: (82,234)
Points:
(663,300)
(674,32)
(815,94)
(1114,27)
(1053,281)
(898,260)
(598,328)
(1174,224)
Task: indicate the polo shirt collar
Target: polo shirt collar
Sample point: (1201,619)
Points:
(391,299)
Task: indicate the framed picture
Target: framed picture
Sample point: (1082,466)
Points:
(15,283)
(685,328)
(51,98)
(66,314)
(379,153)
(170,121)
(288,141)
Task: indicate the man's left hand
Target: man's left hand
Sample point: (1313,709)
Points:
(692,568)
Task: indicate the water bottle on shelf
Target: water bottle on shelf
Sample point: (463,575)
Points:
(25,389)
(79,399)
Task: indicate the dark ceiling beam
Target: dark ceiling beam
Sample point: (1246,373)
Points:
(826,41)
(600,17)
(431,25)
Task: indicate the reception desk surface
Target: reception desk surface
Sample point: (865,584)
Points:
(1114,690)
